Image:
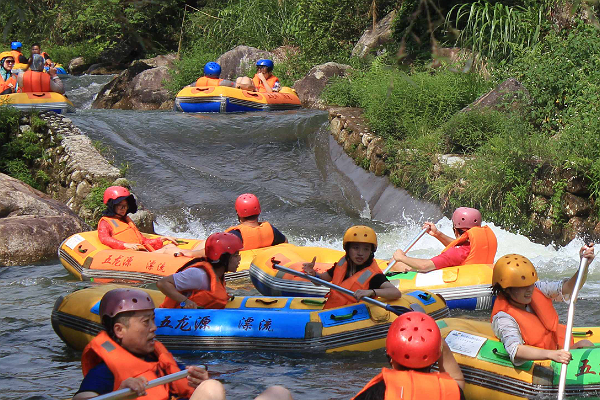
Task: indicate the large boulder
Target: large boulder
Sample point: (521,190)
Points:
(239,61)
(114,90)
(510,95)
(310,87)
(374,38)
(32,224)
(77,66)
(147,91)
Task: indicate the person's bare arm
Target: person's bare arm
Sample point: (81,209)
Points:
(448,364)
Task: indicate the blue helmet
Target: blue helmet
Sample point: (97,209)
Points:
(265,63)
(212,69)
(15,45)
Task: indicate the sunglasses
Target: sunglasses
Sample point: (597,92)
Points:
(10,61)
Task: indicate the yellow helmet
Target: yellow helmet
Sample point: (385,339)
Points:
(514,270)
(360,234)
(5,54)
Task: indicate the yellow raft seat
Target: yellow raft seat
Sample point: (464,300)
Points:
(489,373)
(466,287)
(223,99)
(40,101)
(282,324)
(88,259)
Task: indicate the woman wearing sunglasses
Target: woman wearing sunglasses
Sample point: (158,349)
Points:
(8,80)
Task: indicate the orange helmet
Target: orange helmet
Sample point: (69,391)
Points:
(514,270)
(360,234)
(246,205)
(414,340)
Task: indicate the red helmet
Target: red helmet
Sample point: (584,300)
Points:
(220,243)
(246,205)
(466,218)
(414,340)
(124,299)
(114,192)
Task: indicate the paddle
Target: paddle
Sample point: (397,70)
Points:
(124,393)
(398,310)
(563,368)
(407,248)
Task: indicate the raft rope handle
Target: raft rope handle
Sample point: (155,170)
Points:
(312,302)
(344,316)
(267,302)
(582,334)
(501,354)
(38,94)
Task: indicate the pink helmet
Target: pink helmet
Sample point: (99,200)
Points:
(124,299)
(220,243)
(246,205)
(466,218)
(414,340)
(114,192)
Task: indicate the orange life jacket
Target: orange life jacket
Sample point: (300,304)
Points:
(540,329)
(206,81)
(35,81)
(359,280)
(254,237)
(124,231)
(407,385)
(125,365)
(483,245)
(4,84)
(17,54)
(215,297)
(259,85)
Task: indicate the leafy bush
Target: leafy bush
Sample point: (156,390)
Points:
(94,202)
(398,105)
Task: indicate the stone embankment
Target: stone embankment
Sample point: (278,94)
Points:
(32,223)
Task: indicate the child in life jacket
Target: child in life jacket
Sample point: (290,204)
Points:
(117,231)
(414,343)
(263,80)
(254,234)
(473,244)
(523,317)
(202,285)
(357,270)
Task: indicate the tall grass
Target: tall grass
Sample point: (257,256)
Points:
(494,29)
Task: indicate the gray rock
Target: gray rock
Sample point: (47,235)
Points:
(510,95)
(113,92)
(147,91)
(310,87)
(77,66)
(32,224)
(239,61)
(144,220)
(165,60)
(373,38)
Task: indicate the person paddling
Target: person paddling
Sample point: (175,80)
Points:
(473,244)
(117,231)
(414,343)
(202,285)
(523,317)
(357,270)
(126,354)
(254,234)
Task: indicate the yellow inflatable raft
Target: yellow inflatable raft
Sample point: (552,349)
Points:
(489,373)
(85,257)
(249,323)
(466,287)
(42,101)
(227,99)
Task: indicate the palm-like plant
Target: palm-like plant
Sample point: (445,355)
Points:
(494,30)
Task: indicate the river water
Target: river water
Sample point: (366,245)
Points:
(189,169)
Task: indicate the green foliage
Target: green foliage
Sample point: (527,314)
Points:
(94,203)
(492,29)
(398,105)
(465,132)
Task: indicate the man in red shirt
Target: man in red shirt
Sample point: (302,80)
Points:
(473,244)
